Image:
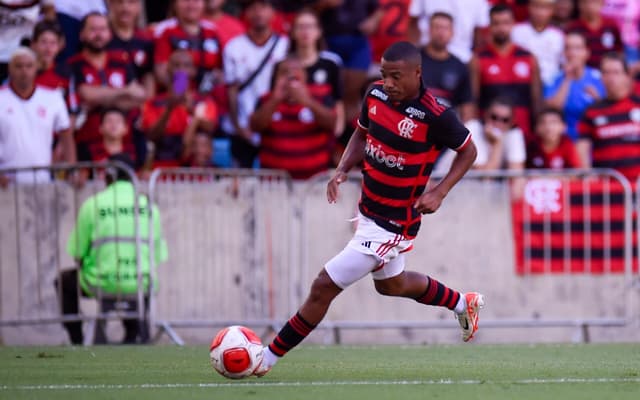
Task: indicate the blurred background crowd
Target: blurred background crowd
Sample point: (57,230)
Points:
(278,84)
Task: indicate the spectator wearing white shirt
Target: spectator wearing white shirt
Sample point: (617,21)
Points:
(30,117)
(543,40)
(248,61)
(499,142)
(469,17)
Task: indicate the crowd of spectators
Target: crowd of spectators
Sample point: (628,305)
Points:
(278,83)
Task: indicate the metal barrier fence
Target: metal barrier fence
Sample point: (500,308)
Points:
(232,248)
(244,247)
(39,210)
(546,290)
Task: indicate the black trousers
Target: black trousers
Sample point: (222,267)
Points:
(67,285)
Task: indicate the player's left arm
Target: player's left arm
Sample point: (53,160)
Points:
(455,136)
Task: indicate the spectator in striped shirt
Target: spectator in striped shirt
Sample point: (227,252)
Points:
(610,128)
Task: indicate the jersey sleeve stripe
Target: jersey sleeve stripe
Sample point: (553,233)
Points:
(464,144)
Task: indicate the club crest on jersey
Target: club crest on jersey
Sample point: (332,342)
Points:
(415,113)
(379,94)
(406,128)
(522,69)
(634,115)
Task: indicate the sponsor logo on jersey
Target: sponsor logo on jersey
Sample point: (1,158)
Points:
(415,113)
(378,155)
(406,128)
(379,94)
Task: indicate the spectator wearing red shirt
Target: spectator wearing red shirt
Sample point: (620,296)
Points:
(296,122)
(503,69)
(393,27)
(189,31)
(47,42)
(228,25)
(551,148)
(99,79)
(138,43)
(602,33)
(170,120)
(114,130)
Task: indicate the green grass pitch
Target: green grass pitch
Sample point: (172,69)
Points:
(609,371)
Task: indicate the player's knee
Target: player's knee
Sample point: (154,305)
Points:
(323,289)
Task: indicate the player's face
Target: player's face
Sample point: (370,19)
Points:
(550,128)
(96,33)
(306,30)
(540,11)
(259,15)
(616,80)
(189,10)
(22,72)
(401,79)
(113,126)
(440,32)
(500,27)
(47,47)
(125,11)
(575,49)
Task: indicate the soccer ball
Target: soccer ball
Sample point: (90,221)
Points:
(236,352)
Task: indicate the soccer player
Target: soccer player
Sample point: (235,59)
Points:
(400,132)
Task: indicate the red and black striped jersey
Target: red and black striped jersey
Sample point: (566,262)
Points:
(204,47)
(614,130)
(140,50)
(599,41)
(294,141)
(563,156)
(507,75)
(117,73)
(402,143)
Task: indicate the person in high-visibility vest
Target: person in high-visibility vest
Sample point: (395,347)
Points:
(103,243)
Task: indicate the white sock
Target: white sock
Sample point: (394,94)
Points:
(461,306)
(269,358)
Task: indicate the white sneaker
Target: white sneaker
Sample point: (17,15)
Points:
(261,370)
(469,318)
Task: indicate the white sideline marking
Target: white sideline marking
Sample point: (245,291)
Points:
(320,383)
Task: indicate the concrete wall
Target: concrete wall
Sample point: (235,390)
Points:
(248,249)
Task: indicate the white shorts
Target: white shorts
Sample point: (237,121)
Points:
(371,250)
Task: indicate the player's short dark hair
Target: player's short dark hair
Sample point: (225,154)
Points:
(402,51)
(576,32)
(549,111)
(109,110)
(47,26)
(441,14)
(85,19)
(615,56)
(499,9)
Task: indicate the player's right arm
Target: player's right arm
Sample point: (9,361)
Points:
(352,156)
